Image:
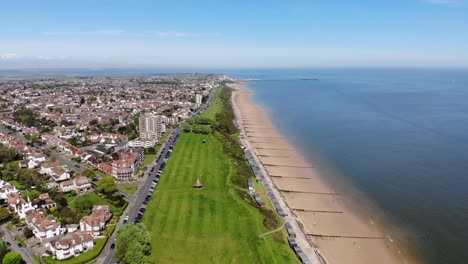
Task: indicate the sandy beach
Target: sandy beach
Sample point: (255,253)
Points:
(339,233)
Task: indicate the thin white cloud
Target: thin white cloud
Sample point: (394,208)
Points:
(172,34)
(7,56)
(81,33)
(444,2)
(162,34)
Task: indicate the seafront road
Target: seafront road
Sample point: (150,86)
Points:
(26,253)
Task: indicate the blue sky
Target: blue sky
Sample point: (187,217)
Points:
(234,34)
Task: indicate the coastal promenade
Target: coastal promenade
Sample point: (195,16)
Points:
(328,228)
(301,237)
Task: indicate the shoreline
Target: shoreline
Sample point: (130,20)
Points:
(325,217)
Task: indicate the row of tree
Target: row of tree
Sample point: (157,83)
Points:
(133,244)
(198,129)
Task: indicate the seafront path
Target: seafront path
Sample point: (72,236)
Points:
(301,238)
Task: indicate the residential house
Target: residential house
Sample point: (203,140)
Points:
(46,167)
(38,158)
(19,206)
(43,226)
(125,167)
(95,223)
(6,189)
(46,202)
(71,228)
(71,244)
(23,164)
(106,137)
(57,171)
(79,184)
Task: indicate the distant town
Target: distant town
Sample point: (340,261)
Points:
(74,150)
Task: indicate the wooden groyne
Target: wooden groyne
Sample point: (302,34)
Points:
(340,236)
(316,211)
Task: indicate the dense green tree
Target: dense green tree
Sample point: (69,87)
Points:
(8,154)
(29,177)
(12,258)
(33,194)
(107,186)
(90,174)
(68,214)
(4,215)
(28,233)
(93,122)
(83,205)
(133,244)
(3,250)
(63,201)
(74,141)
(151,150)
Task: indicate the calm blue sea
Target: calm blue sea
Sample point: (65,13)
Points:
(398,135)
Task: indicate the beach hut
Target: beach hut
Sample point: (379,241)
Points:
(198,185)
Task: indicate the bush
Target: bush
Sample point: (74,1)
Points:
(28,233)
(4,215)
(12,258)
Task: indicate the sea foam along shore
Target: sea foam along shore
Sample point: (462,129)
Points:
(340,234)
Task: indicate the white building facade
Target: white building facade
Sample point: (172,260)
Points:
(152,126)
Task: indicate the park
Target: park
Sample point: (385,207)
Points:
(212,224)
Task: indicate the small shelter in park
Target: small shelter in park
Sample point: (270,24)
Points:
(198,185)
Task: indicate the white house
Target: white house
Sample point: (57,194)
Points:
(33,164)
(19,206)
(43,226)
(79,184)
(46,168)
(71,245)
(95,223)
(141,143)
(37,157)
(6,189)
(55,170)
(59,174)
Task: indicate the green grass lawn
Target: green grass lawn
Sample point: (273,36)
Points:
(17,238)
(214,108)
(18,185)
(212,225)
(69,196)
(148,159)
(100,173)
(98,200)
(83,258)
(130,190)
(36,259)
